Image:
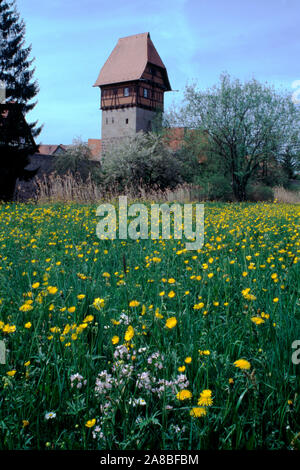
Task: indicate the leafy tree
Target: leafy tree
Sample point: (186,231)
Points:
(15,64)
(246,125)
(142,161)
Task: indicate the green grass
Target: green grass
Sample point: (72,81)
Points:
(136,405)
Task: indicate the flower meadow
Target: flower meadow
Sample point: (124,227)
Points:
(142,344)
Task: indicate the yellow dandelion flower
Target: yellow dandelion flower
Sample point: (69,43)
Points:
(52,290)
(206,352)
(66,329)
(242,364)
(129,333)
(88,319)
(134,303)
(90,423)
(184,395)
(98,303)
(205,398)
(171,322)
(55,329)
(257,320)
(81,327)
(198,412)
(157,314)
(198,306)
(115,339)
(26,307)
(9,328)
(27,325)
(11,373)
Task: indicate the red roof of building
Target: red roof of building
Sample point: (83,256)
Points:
(129,59)
(95,148)
(50,149)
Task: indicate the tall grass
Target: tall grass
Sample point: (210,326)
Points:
(65,188)
(285,196)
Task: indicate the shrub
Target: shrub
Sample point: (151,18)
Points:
(259,192)
(142,161)
(215,187)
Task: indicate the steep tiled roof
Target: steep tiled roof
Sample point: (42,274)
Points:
(128,60)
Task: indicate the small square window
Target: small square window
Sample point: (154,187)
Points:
(126,91)
(145,92)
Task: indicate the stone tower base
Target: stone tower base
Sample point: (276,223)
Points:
(125,122)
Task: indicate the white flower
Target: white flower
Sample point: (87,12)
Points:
(137,401)
(50,415)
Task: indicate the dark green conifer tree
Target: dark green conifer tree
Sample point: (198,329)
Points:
(16,69)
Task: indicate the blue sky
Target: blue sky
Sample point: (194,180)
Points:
(196,39)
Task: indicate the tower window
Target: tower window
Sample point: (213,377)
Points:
(126,91)
(112,120)
(126,120)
